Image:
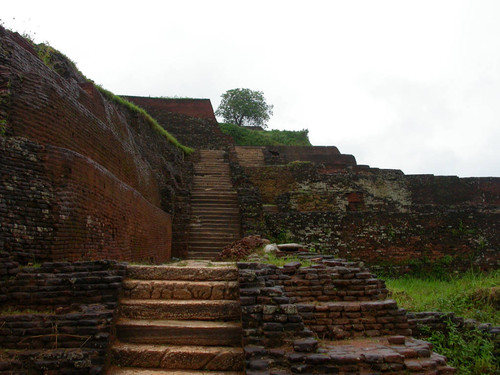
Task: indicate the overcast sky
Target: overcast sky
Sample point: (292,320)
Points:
(410,85)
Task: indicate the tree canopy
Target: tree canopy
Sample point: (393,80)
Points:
(245,107)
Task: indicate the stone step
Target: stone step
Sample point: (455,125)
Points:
(227,238)
(212,184)
(211,235)
(201,193)
(214,207)
(115,370)
(207,171)
(196,210)
(202,256)
(208,177)
(180,309)
(208,248)
(229,201)
(204,168)
(218,212)
(220,272)
(214,226)
(232,199)
(214,217)
(217,245)
(214,191)
(180,290)
(208,358)
(175,332)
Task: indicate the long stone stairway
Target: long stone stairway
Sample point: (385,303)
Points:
(179,319)
(215,220)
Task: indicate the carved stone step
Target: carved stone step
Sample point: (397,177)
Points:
(174,332)
(180,290)
(208,358)
(153,371)
(180,309)
(224,272)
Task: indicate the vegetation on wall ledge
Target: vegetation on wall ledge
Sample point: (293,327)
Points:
(150,120)
(248,137)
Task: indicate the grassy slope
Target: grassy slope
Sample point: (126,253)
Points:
(248,137)
(471,295)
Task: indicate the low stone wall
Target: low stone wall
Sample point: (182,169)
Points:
(349,320)
(56,317)
(430,321)
(334,281)
(278,340)
(382,217)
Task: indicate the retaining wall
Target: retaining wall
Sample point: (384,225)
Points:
(56,317)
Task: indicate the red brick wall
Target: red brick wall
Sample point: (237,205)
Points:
(377,216)
(50,110)
(81,177)
(201,108)
(60,205)
(192,129)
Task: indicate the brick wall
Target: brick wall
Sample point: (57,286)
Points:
(56,317)
(379,216)
(200,108)
(94,180)
(56,204)
(194,130)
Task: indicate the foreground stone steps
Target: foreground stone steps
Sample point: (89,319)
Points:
(175,332)
(179,319)
(208,358)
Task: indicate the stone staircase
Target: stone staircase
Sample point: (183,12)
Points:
(179,319)
(249,156)
(215,220)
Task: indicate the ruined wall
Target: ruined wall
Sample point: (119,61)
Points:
(56,317)
(191,129)
(57,204)
(200,108)
(92,180)
(378,216)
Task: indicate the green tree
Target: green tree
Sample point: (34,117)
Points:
(245,107)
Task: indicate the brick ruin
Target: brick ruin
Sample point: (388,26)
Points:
(317,196)
(86,183)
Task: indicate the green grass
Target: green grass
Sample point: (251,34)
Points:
(471,295)
(471,352)
(271,258)
(150,120)
(248,137)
